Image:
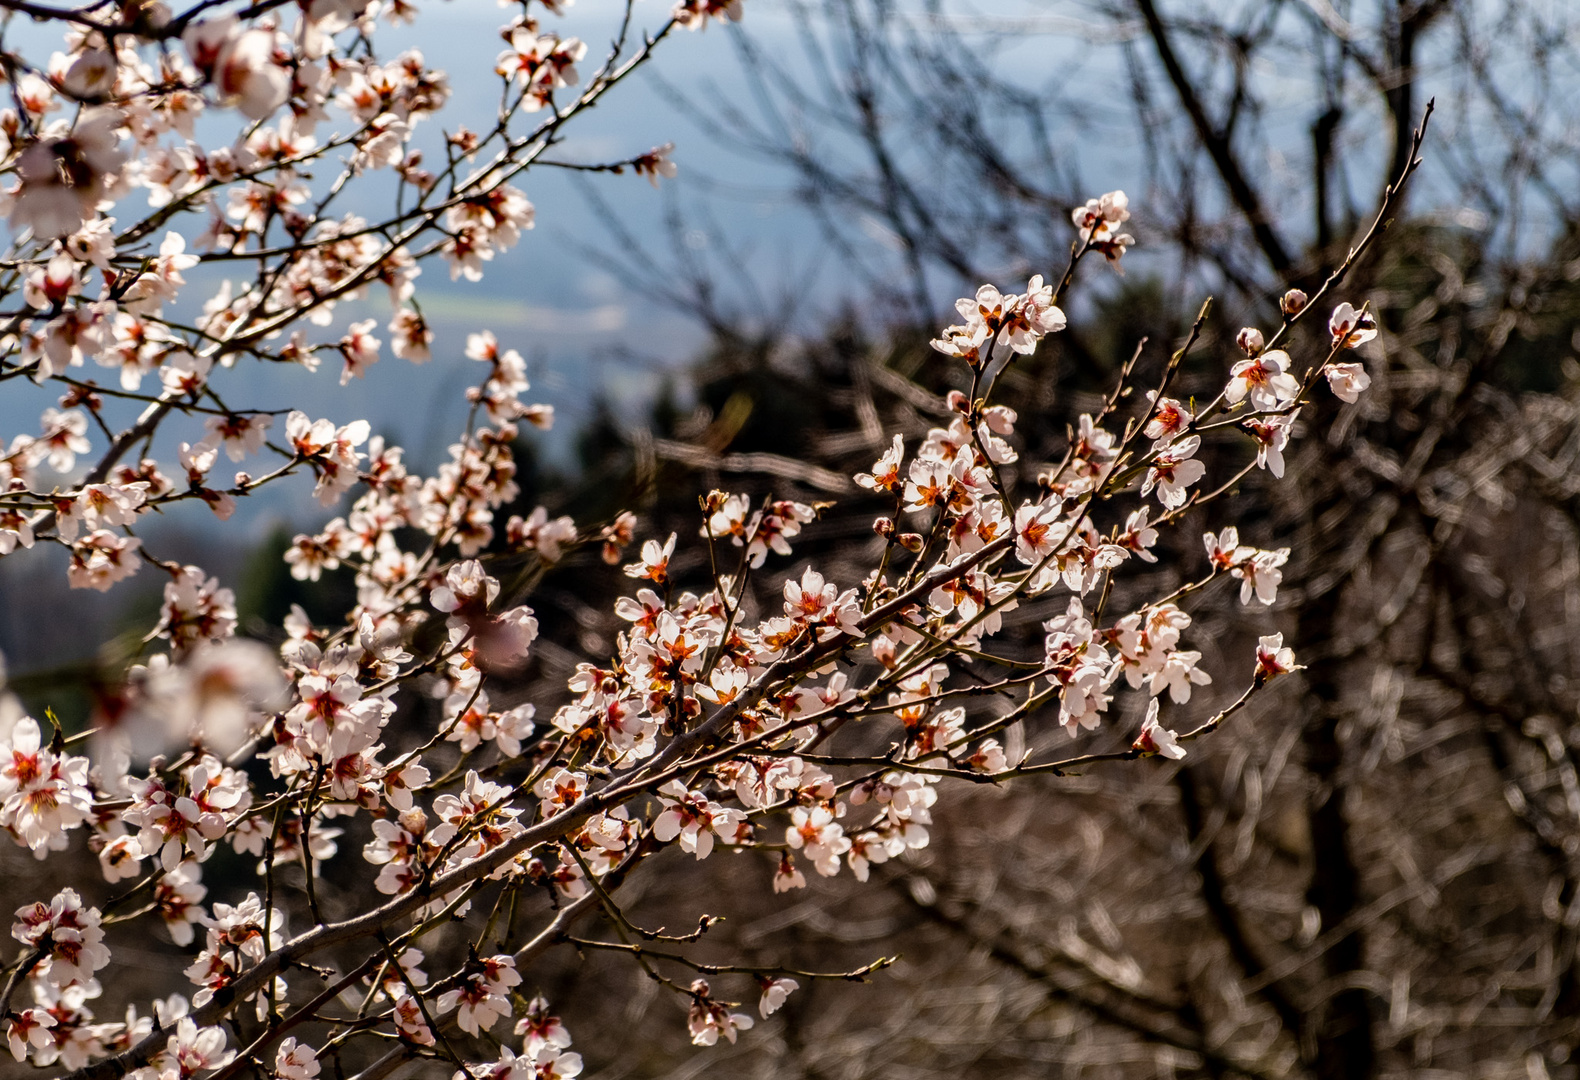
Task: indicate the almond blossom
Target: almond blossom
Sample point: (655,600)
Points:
(42,794)
(1097,223)
(480,999)
(1347,381)
(1156,739)
(1173,470)
(709,1019)
(735,692)
(885,474)
(293,1061)
(775,991)
(693,820)
(1351,328)
(29,1030)
(1273,657)
(1264,380)
(540,1029)
(64,177)
(1169,418)
(814,832)
(68,936)
(694,15)
(192,1050)
(1272,435)
(1037,534)
(1260,575)
(239,436)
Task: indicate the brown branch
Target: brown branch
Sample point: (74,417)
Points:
(1217,145)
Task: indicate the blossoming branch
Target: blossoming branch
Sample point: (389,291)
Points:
(819,732)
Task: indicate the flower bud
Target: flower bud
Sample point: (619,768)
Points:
(883,526)
(957,402)
(421,179)
(81,395)
(1250,341)
(1293,302)
(910,541)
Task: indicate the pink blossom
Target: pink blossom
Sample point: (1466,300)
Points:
(1347,381)
(64,178)
(709,1019)
(295,1061)
(42,794)
(775,991)
(360,349)
(1173,470)
(1273,658)
(1351,328)
(1097,223)
(1264,380)
(1156,739)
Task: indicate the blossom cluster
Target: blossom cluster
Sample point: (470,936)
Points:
(398,732)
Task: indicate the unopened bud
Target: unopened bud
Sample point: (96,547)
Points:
(713,502)
(883,526)
(149,13)
(1293,302)
(82,395)
(243,480)
(958,402)
(621,529)
(910,541)
(1250,341)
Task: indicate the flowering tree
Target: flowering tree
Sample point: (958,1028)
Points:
(815,720)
